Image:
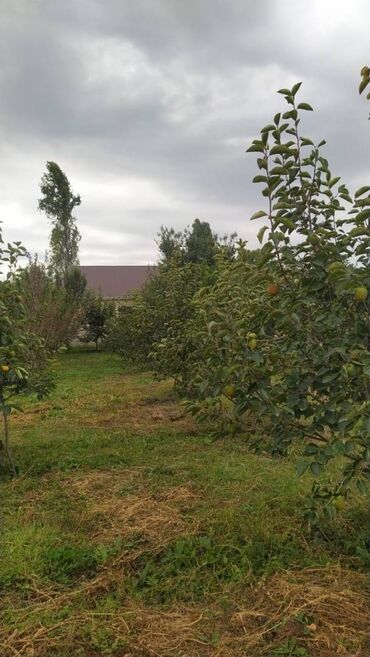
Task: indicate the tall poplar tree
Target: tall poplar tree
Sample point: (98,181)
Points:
(58,203)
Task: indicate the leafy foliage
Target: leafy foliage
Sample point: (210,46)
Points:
(52,312)
(23,358)
(75,284)
(284,336)
(163,306)
(152,327)
(198,245)
(319,321)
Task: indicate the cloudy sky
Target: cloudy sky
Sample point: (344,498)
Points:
(148,106)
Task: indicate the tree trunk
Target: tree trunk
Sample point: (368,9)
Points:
(7,447)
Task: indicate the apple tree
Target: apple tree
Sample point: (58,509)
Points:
(286,341)
(24,363)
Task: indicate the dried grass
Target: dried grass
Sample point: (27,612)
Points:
(333,600)
(156,517)
(145,416)
(105,508)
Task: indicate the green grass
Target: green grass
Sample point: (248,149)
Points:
(112,489)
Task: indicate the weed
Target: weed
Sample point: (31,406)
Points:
(290,649)
(191,566)
(22,553)
(62,564)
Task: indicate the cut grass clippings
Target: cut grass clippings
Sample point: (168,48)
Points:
(325,610)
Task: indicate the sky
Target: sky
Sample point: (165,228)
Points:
(148,106)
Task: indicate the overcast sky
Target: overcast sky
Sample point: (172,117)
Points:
(148,106)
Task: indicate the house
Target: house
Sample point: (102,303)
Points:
(117,281)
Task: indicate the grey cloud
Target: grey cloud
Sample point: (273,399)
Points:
(148,105)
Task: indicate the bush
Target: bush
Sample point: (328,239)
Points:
(161,307)
(54,313)
(97,313)
(24,364)
(152,329)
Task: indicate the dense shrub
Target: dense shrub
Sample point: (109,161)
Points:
(199,356)
(24,362)
(163,305)
(52,312)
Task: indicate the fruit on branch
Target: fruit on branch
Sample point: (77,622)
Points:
(360,293)
(229,390)
(272,289)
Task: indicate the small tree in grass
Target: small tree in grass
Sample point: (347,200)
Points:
(24,364)
(285,337)
(98,312)
(316,330)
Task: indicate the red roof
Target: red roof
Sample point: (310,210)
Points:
(116,281)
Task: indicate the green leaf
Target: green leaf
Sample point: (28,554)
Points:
(363,215)
(363,84)
(310,449)
(255,148)
(305,106)
(268,128)
(279,150)
(261,233)
(301,468)
(291,114)
(362,190)
(333,181)
(315,468)
(288,223)
(331,376)
(349,446)
(359,230)
(363,202)
(346,197)
(279,171)
(362,486)
(260,179)
(273,182)
(259,214)
(296,87)
(285,92)
(262,163)
(305,141)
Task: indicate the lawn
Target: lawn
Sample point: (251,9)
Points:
(130,531)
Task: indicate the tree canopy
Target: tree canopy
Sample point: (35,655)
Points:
(58,203)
